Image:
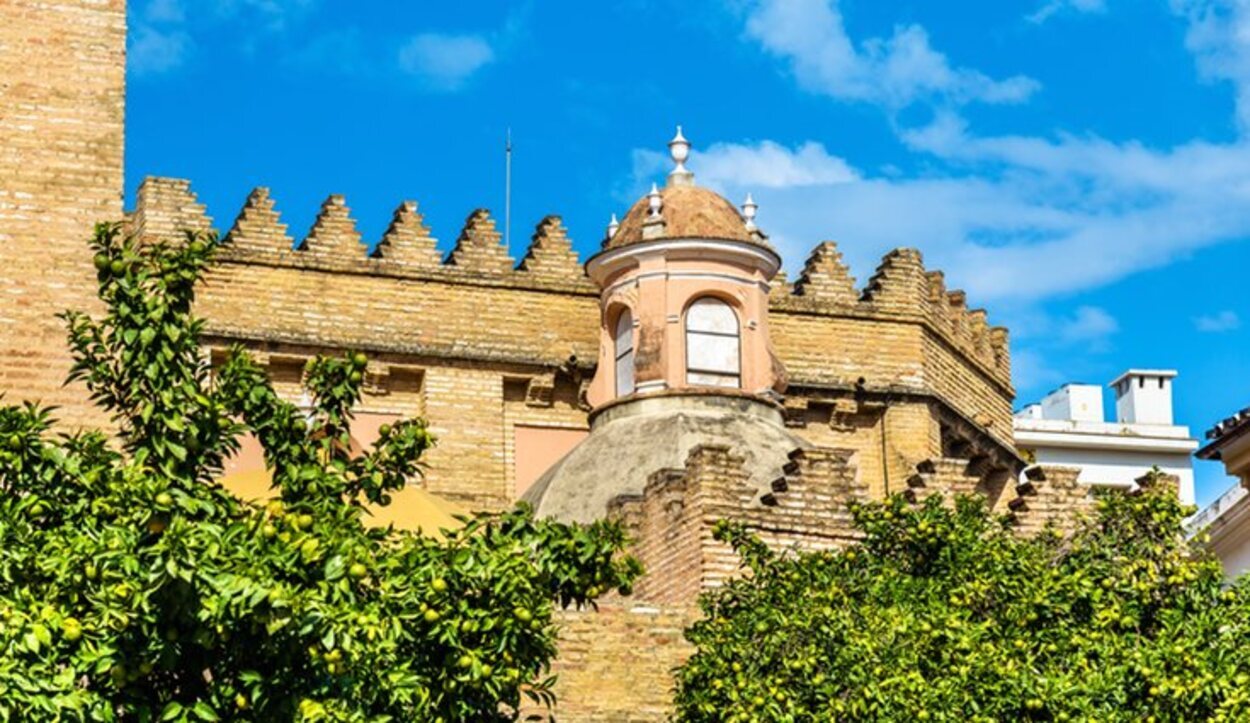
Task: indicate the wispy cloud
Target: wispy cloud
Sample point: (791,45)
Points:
(154,51)
(1008,217)
(1218,35)
(766,164)
(445,62)
(1054,7)
(1090,326)
(1032,369)
(161,36)
(1219,322)
(894,72)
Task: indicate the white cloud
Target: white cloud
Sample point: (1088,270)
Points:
(1007,217)
(270,15)
(164,11)
(1030,369)
(1031,219)
(766,164)
(445,62)
(771,165)
(153,51)
(161,35)
(1218,35)
(1090,325)
(1226,320)
(1052,7)
(893,72)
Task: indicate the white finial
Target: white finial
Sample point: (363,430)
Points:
(679,150)
(654,202)
(613,225)
(749,207)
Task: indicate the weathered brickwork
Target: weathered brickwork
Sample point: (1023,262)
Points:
(807,508)
(901,432)
(897,384)
(616,663)
(61,109)
(895,372)
(1050,497)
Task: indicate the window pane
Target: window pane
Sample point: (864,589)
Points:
(625,375)
(708,314)
(707,379)
(624,333)
(623,352)
(706,352)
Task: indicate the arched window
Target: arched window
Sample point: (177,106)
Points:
(712,344)
(623,351)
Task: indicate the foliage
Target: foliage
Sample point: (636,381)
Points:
(944,614)
(134,587)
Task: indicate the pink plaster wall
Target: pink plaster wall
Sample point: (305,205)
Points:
(537,448)
(658,296)
(251,456)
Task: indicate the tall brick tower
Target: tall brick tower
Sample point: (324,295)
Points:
(62,85)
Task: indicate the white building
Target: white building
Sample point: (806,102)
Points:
(1068,427)
(1227,520)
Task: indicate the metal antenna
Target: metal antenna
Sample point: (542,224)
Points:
(507,192)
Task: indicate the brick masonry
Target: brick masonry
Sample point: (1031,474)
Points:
(62,86)
(895,352)
(898,384)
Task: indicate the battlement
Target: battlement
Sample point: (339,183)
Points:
(672,520)
(165,208)
(900,289)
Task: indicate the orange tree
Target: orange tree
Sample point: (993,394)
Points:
(134,587)
(944,614)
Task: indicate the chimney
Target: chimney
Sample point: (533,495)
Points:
(1144,396)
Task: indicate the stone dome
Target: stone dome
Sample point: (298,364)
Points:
(688,211)
(631,440)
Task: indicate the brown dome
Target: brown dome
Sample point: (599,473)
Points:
(689,211)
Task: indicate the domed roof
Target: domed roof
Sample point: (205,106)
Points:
(630,441)
(688,211)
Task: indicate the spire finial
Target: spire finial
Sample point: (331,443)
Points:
(679,151)
(749,207)
(654,203)
(613,225)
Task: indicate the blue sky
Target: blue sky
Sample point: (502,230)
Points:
(1081,167)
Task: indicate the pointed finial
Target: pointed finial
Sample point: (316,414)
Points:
(654,202)
(679,150)
(749,207)
(613,225)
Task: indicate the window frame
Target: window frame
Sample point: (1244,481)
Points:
(736,376)
(624,315)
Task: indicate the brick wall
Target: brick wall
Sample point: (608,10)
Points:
(672,521)
(62,85)
(616,664)
(477,322)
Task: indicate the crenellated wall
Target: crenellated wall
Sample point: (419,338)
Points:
(895,371)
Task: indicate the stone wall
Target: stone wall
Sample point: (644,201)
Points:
(873,369)
(61,108)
